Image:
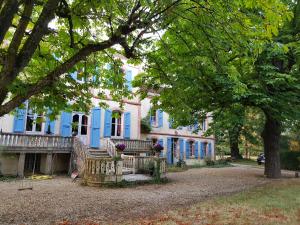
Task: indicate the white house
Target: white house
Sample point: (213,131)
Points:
(113,122)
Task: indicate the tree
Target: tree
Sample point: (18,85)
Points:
(222,54)
(227,125)
(44,41)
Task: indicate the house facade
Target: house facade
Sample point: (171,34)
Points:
(99,124)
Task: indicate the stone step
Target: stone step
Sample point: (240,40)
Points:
(98,153)
(126,171)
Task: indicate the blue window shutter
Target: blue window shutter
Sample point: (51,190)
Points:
(201,150)
(169,150)
(107,123)
(160,118)
(51,124)
(66,124)
(127,121)
(95,127)
(181,148)
(196,150)
(129,79)
(161,142)
(19,120)
(187,150)
(209,149)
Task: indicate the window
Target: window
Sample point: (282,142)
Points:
(191,147)
(116,124)
(34,121)
(79,124)
(84,125)
(153,117)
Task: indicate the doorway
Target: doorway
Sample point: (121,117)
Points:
(32,163)
(80,126)
(174,150)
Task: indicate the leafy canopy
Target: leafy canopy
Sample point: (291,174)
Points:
(43,41)
(207,60)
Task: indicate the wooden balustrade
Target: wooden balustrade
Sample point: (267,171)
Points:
(143,163)
(13,142)
(102,170)
(134,146)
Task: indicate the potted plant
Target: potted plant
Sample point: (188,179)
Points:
(120,147)
(157,149)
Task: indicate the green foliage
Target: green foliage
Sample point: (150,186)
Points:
(204,59)
(81,37)
(145,125)
(290,160)
(181,163)
(209,161)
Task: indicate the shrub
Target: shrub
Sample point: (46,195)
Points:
(209,161)
(290,160)
(181,163)
(145,125)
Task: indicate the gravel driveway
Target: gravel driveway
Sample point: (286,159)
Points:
(51,201)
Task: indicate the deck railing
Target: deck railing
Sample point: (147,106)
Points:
(102,170)
(143,163)
(109,145)
(17,142)
(134,146)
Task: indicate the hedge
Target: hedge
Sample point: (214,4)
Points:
(290,160)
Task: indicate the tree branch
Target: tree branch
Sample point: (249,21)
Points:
(6,17)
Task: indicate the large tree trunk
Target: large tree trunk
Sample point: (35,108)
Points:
(271,137)
(234,135)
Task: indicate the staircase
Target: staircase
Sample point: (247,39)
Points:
(98,153)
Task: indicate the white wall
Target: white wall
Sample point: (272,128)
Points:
(6,123)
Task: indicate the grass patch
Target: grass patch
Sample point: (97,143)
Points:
(216,165)
(7,178)
(275,204)
(249,162)
(175,169)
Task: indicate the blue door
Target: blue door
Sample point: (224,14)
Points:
(95,128)
(66,124)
